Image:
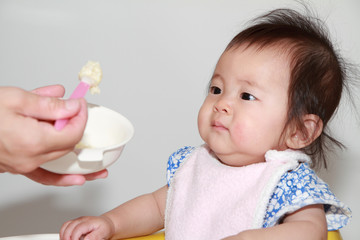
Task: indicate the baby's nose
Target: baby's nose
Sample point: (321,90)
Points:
(223,106)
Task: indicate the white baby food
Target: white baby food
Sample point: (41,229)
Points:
(91,73)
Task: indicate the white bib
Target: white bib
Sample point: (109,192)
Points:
(210,200)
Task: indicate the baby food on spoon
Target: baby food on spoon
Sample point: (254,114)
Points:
(91,74)
(90,77)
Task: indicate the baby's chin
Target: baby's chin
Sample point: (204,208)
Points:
(237,159)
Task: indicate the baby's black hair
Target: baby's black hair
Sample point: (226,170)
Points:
(317,74)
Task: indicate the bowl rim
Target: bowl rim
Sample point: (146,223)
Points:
(130,128)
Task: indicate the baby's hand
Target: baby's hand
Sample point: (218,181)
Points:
(90,228)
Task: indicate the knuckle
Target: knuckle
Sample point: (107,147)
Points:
(30,146)
(17,96)
(25,166)
(48,103)
(29,155)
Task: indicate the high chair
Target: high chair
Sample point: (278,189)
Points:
(332,235)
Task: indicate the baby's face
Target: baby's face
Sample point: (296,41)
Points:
(245,111)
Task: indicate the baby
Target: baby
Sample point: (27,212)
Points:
(263,122)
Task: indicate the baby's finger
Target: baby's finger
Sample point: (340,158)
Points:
(95,235)
(67,230)
(63,229)
(83,230)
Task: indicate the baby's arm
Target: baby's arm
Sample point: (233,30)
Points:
(307,223)
(140,216)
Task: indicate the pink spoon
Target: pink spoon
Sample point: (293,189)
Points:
(79,92)
(90,75)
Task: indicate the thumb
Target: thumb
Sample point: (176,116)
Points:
(49,108)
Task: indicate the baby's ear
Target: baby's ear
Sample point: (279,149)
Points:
(298,139)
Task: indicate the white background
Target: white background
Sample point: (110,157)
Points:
(157,58)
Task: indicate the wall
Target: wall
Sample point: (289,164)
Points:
(157,57)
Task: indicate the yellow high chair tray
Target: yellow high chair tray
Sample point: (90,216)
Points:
(155,236)
(332,235)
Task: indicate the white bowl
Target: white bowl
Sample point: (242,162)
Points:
(105,136)
(34,237)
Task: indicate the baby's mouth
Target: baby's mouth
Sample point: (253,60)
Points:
(218,126)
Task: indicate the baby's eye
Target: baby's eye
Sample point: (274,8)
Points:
(247,96)
(215,90)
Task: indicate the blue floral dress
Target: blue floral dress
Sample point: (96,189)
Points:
(295,190)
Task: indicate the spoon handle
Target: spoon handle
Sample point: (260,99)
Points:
(79,92)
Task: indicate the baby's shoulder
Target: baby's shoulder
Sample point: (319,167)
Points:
(180,154)
(176,159)
(303,179)
(302,187)
(302,184)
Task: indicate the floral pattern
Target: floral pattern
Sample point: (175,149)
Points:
(295,190)
(175,160)
(300,188)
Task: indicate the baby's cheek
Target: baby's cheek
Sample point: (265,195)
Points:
(239,135)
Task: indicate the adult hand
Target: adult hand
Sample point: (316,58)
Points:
(28,137)
(48,178)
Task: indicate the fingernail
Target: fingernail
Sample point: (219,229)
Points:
(104,174)
(72,104)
